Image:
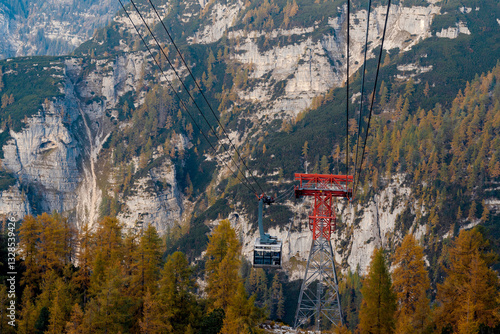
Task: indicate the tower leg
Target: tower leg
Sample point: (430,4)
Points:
(319,297)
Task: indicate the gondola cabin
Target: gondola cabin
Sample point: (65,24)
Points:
(267,249)
(267,255)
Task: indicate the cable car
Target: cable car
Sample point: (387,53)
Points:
(267,249)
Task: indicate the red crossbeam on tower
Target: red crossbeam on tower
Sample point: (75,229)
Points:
(323,187)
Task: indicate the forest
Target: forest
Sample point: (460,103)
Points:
(118,280)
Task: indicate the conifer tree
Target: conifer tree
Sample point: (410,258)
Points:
(379,301)
(149,258)
(29,251)
(109,310)
(1,79)
(42,322)
(350,293)
(52,241)
(28,315)
(257,286)
(75,324)
(409,88)
(242,315)
(60,308)
(153,320)
(84,259)
(176,294)
(472,211)
(468,297)
(4,303)
(277,298)
(426,89)
(109,250)
(324,165)
(222,265)
(410,284)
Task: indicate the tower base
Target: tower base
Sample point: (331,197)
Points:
(319,299)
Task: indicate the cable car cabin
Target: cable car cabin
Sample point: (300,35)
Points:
(267,255)
(267,249)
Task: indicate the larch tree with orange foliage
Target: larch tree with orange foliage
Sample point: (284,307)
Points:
(411,281)
(222,265)
(468,298)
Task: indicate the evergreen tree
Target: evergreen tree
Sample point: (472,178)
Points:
(277,299)
(110,309)
(383,92)
(350,294)
(379,301)
(213,322)
(149,259)
(1,79)
(257,286)
(411,282)
(42,323)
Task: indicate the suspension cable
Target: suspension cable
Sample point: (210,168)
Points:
(347,99)
(362,86)
(203,94)
(177,95)
(374,89)
(188,92)
(285,195)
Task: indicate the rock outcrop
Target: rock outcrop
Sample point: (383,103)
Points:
(51,27)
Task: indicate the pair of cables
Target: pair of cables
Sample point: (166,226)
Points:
(358,168)
(245,181)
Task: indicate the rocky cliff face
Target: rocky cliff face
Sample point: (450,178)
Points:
(50,27)
(55,157)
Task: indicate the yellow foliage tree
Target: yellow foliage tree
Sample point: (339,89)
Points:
(469,295)
(410,284)
(241,316)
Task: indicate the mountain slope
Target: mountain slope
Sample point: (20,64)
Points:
(107,136)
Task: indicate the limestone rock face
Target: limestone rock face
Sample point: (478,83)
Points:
(14,203)
(56,156)
(156,200)
(51,27)
(222,17)
(287,76)
(453,32)
(373,226)
(45,154)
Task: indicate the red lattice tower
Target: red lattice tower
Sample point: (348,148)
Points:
(321,301)
(324,187)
